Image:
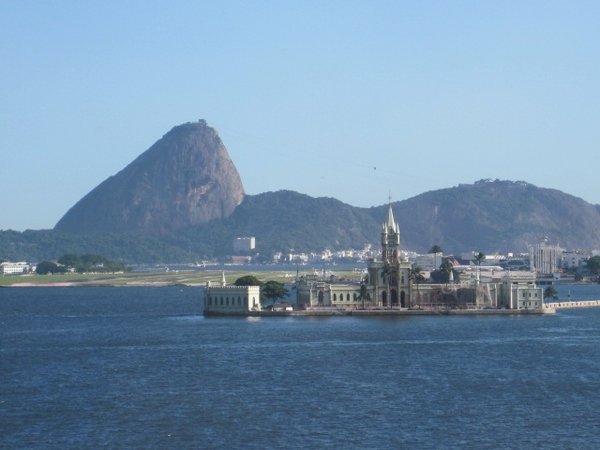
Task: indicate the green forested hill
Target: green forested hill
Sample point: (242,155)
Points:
(496,216)
(485,216)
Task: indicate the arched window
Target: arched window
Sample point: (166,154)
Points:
(348,297)
(334,297)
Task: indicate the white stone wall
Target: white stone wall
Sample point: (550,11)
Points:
(232,299)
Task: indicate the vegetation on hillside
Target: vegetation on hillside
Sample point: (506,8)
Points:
(488,215)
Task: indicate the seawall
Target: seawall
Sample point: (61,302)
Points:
(572,304)
(385,312)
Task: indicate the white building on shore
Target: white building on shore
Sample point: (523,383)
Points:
(14,268)
(231,299)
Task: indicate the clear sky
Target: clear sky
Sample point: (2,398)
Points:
(347,99)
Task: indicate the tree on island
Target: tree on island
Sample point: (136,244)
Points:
(550,293)
(478,258)
(416,274)
(388,272)
(593,265)
(46,267)
(273,290)
(363,293)
(442,275)
(248,280)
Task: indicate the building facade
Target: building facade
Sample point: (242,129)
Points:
(389,278)
(545,258)
(519,291)
(387,285)
(14,268)
(231,299)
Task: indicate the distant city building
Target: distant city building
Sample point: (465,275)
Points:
(244,244)
(429,261)
(573,259)
(544,258)
(13,268)
(241,259)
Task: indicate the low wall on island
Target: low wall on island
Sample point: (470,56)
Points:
(572,304)
(324,312)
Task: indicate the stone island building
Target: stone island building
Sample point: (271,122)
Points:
(231,299)
(390,285)
(387,284)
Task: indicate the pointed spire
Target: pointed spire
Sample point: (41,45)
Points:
(391,223)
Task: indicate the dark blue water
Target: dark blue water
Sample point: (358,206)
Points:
(140,368)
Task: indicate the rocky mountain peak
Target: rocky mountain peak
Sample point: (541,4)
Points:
(186,178)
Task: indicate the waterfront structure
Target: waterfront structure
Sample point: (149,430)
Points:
(390,287)
(231,299)
(519,291)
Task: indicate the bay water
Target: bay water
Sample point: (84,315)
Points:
(142,368)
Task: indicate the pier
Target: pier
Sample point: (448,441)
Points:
(572,304)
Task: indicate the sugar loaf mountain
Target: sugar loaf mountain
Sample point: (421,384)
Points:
(183,200)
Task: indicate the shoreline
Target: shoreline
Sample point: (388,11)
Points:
(385,312)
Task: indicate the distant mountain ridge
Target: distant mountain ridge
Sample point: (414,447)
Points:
(484,216)
(183,199)
(499,216)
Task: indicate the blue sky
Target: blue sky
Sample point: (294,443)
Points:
(346,99)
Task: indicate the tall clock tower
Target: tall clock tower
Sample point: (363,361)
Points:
(390,239)
(389,277)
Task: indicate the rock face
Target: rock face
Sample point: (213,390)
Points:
(186,178)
